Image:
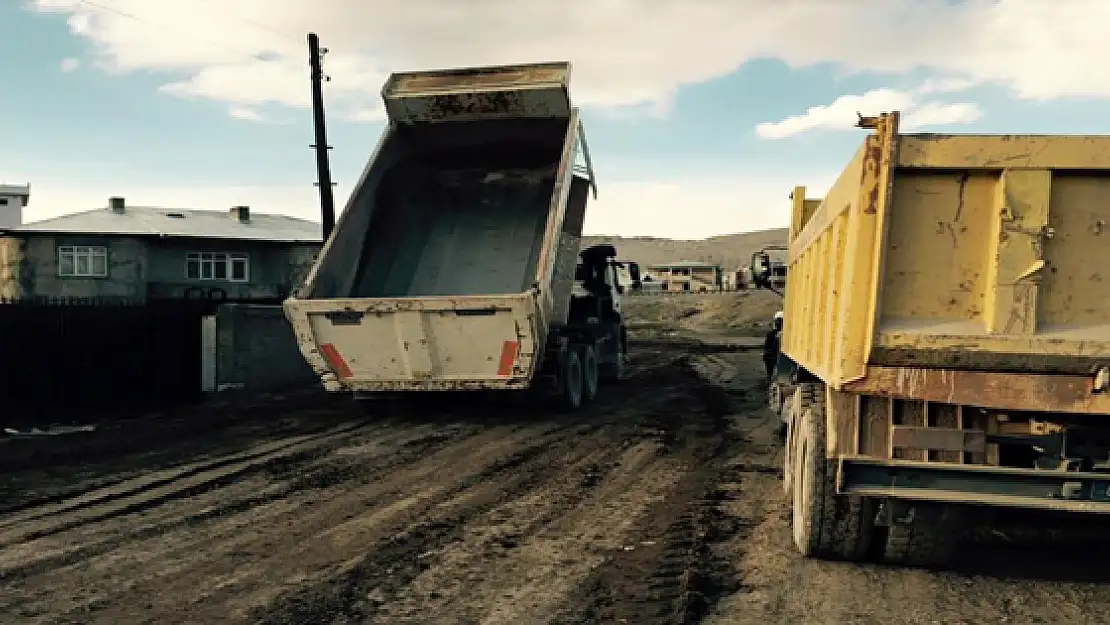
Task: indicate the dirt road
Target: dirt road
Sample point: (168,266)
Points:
(659,504)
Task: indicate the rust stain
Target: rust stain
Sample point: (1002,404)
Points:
(869,177)
(453,105)
(1003,391)
(962,197)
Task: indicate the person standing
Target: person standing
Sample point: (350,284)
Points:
(771,345)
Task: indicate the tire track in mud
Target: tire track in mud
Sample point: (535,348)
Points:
(163,487)
(531,548)
(673,575)
(47,470)
(357,591)
(105,492)
(400,578)
(286,544)
(220,498)
(498,517)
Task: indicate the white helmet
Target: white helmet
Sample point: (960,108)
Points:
(778,316)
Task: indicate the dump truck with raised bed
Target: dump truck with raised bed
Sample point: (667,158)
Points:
(947,328)
(455,265)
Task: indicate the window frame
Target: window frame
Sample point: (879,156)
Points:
(89,252)
(212,260)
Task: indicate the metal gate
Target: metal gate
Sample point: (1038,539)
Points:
(80,359)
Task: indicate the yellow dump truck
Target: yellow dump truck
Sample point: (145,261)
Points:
(947,340)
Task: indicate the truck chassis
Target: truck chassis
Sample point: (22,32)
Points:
(899,462)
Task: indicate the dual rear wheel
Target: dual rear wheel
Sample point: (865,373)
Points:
(841,527)
(580,377)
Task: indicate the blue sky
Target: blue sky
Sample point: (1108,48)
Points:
(674,130)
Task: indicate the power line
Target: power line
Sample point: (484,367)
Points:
(254,56)
(256,23)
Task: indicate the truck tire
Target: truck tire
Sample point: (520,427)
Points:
(616,371)
(788,450)
(826,525)
(572,382)
(590,372)
(927,539)
(792,410)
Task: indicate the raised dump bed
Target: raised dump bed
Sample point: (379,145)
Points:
(947,339)
(456,254)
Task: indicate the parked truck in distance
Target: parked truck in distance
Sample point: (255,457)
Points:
(768,273)
(947,338)
(456,263)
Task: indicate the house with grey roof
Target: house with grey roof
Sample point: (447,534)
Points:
(150,253)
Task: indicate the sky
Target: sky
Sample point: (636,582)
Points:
(701,115)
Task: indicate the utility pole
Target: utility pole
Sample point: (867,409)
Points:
(323,168)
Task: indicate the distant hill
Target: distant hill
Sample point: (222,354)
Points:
(731,251)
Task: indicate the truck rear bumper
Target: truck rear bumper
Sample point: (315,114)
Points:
(541,382)
(974,484)
(332,384)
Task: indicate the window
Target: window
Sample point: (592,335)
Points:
(217,266)
(83,261)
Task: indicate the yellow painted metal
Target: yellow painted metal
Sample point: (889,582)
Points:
(959,252)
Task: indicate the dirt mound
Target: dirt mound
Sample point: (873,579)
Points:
(731,251)
(745,313)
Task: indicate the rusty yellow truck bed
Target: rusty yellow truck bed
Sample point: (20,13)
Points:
(955,252)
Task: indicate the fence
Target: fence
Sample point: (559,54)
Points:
(72,359)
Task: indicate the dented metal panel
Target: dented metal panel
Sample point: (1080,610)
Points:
(969,253)
(533,90)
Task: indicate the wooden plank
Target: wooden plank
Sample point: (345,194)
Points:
(908,413)
(844,418)
(945,416)
(948,440)
(875,420)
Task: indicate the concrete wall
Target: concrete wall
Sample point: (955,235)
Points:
(141,268)
(275,269)
(11,261)
(128,262)
(256,351)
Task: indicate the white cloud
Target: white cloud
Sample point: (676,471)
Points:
(945,85)
(626,52)
(844,112)
(840,115)
(937,114)
(244,113)
(680,207)
(70,65)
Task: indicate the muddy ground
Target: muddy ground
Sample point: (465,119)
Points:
(660,504)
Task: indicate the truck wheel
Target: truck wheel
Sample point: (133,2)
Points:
(572,381)
(788,449)
(926,538)
(793,408)
(617,370)
(826,525)
(590,373)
